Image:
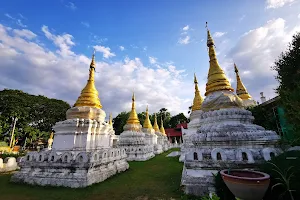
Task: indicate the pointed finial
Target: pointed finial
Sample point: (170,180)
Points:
(216,80)
(241,90)
(162,129)
(235,68)
(110,119)
(197,102)
(147,124)
(93,64)
(89,95)
(133,117)
(155,125)
(195,79)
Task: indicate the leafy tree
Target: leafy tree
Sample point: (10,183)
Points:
(288,69)
(177,119)
(119,121)
(36,114)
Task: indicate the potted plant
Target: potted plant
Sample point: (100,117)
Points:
(246,184)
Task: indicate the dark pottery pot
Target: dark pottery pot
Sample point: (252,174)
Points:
(246,184)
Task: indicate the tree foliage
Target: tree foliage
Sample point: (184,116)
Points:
(288,69)
(36,114)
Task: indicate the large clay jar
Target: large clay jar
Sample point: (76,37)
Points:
(246,184)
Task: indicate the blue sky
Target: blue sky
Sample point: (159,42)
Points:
(159,40)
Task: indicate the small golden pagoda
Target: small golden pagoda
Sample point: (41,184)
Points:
(89,95)
(110,120)
(197,99)
(133,122)
(241,90)
(155,125)
(88,105)
(133,118)
(162,129)
(147,123)
(216,80)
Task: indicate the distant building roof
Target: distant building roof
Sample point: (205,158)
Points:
(172,132)
(270,101)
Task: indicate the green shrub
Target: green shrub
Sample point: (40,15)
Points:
(288,161)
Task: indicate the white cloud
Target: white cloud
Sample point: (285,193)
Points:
(9,16)
(24,33)
(184,40)
(219,34)
(122,48)
(86,24)
(186,28)
(299,16)
(277,3)
(105,50)
(152,60)
(256,52)
(71,6)
(64,42)
(17,21)
(145,48)
(27,66)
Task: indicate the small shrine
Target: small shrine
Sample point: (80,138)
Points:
(82,152)
(221,133)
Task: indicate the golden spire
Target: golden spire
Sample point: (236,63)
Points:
(162,129)
(197,99)
(133,118)
(240,88)
(147,124)
(155,125)
(216,79)
(89,95)
(110,120)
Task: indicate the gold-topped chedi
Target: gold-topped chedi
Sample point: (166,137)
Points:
(89,94)
(133,118)
(162,129)
(88,104)
(197,99)
(216,80)
(110,120)
(155,125)
(219,93)
(241,90)
(147,123)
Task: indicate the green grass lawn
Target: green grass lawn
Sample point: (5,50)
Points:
(158,178)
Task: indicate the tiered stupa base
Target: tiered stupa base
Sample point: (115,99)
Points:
(70,169)
(226,139)
(137,149)
(81,155)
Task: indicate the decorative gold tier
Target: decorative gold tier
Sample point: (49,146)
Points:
(110,120)
(155,125)
(197,99)
(147,123)
(216,80)
(133,118)
(241,90)
(162,129)
(89,95)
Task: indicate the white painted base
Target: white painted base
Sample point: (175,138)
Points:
(70,169)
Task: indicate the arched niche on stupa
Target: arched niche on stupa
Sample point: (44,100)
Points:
(218,154)
(245,155)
